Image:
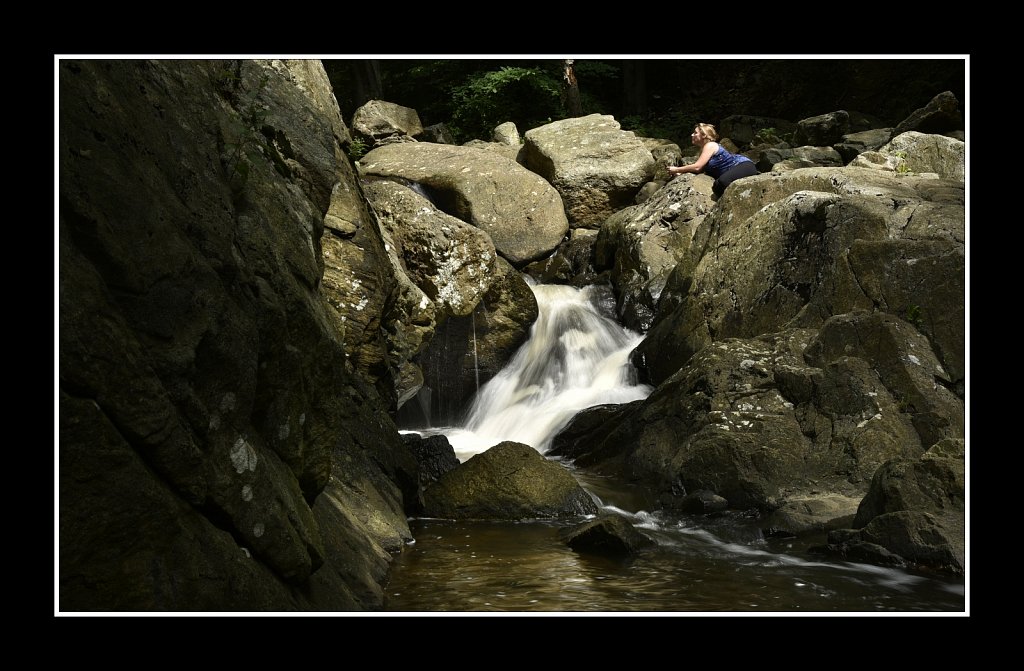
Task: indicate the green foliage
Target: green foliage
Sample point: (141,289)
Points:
(526,96)
(767,136)
(678,91)
(914,315)
(901,166)
(357,148)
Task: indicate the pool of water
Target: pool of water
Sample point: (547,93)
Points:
(700,564)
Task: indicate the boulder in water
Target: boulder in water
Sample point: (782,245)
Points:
(510,481)
(611,535)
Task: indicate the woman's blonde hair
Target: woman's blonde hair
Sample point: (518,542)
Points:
(709,131)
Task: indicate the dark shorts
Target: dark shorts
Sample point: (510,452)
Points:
(738,171)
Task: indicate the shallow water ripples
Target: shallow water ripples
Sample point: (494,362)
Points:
(525,567)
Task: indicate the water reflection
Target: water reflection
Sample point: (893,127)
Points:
(525,567)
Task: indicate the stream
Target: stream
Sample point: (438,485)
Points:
(577,357)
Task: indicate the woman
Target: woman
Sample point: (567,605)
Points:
(715,160)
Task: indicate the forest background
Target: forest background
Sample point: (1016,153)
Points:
(659,97)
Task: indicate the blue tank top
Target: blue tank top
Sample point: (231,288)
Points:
(722,161)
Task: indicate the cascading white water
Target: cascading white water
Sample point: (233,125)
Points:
(575,358)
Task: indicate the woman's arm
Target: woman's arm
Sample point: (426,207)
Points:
(706,153)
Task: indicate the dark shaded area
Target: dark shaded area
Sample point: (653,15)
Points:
(664,97)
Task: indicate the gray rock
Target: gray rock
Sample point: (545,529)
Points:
(466,352)
(512,152)
(941,115)
(725,423)
(823,130)
(768,261)
(571,263)
(744,129)
(921,153)
(380,121)
(905,364)
(596,167)
(916,538)
(854,144)
(510,481)
(813,514)
(366,287)
(521,212)
(641,245)
(582,434)
(452,262)
(437,133)
(934,483)
(701,503)
(434,457)
(507,133)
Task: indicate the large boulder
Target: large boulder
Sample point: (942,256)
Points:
(381,121)
(853,144)
(641,245)
(914,511)
(791,249)
(520,211)
(510,481)
(924,153)
(466,352)
(595,166)
(609,535)
(434,457)
(571,263)
(812,513)
(778,160)
(751,421)
(823,130)
(940,116)
(905,363)
(452,262)
(383,318)
(746,130)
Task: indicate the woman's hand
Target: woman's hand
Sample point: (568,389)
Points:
(676,169)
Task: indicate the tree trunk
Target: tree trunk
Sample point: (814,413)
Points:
(366,80)
(634,88)
(571,89)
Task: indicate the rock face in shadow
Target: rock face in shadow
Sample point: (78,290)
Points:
(216,450)
(913,511)
(510,481)
(611,536)
(466,352)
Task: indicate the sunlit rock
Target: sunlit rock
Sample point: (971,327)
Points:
(595,166)
(521,212)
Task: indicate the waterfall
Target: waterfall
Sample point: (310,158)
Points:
(575,358)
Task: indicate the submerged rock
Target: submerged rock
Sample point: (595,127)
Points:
(611,536)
